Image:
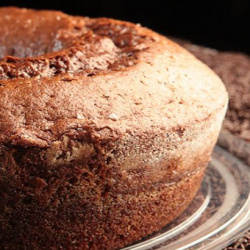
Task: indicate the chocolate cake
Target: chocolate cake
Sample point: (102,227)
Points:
(106,128)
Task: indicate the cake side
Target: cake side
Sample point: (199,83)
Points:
(233,68)
(71,198)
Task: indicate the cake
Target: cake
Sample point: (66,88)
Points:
(106,129)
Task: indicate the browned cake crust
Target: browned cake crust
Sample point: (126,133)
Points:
(233,68)
(105,130)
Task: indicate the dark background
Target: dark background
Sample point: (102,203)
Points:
(224,25)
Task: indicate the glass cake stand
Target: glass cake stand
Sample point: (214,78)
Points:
(219,214)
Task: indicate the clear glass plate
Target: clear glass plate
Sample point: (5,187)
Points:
(219,214)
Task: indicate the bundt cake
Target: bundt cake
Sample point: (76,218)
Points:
(106,128)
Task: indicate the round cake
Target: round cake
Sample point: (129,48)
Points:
(106,129)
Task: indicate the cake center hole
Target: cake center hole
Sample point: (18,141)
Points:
(18,45)
(28,34)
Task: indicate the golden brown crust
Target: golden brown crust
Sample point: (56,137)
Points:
(124,128)
(166,88)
